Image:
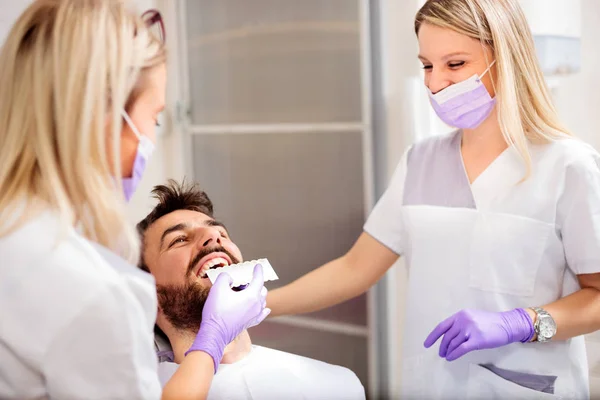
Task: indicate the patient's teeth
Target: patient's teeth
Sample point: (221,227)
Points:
(214,261)
(211,263)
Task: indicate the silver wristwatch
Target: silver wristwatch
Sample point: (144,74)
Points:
(544,325)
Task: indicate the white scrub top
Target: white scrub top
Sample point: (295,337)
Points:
(73,326)
(267,374)
(494,245)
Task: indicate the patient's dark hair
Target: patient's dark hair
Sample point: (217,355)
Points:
(172,197)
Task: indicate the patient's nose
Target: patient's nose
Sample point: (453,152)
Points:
(211,237)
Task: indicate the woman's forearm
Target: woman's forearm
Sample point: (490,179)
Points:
(324,287)
(192,379)
(576,314)
(337,281)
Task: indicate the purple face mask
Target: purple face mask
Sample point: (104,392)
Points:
(464,105)
(144,151)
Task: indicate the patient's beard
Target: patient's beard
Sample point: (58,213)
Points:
(182,304)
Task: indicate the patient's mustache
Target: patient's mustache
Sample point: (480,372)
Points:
(206,251)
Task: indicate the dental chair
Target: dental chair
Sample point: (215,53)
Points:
(163,348)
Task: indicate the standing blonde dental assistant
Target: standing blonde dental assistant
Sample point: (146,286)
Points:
(499,223)
(83,82)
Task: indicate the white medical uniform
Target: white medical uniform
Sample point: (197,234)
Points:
(494,245)
(266,374)
(73,326)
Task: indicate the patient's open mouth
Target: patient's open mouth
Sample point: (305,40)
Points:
(211,260)
(212,263)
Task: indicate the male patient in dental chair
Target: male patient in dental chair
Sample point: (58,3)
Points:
(181,241)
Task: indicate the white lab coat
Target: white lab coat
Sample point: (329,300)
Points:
(73,326)
(267,374)
(495,245)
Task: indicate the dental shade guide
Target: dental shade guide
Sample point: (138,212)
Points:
(242,273)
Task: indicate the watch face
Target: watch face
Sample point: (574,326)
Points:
(547,327)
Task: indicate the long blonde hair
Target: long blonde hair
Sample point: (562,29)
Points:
(67,69)
(525,108)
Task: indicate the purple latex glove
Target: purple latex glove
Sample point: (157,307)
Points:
(228,313)
(470,330)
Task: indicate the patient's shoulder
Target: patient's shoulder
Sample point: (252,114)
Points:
(265,353)
(336,377)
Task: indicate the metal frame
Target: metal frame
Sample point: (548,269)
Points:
(183,109)
(327,127)
(323,325)
(383,306)
(373,303)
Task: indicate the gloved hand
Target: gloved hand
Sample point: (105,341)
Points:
(227,313)
(470,330)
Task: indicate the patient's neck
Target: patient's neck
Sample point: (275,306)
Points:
(234,352)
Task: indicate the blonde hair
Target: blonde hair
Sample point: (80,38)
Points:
(525,108)
(67,70)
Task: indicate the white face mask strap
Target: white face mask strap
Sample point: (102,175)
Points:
(487,69)
(131,124)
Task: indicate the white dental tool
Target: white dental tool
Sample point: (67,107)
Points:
(242,273)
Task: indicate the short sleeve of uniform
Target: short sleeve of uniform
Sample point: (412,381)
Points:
(385,222)
(578,213)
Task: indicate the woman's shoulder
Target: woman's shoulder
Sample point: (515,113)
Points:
(431,153)
(45,250)
(571,153)
(52,278)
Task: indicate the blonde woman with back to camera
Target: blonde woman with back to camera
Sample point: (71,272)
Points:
(499,223)
(83,82)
